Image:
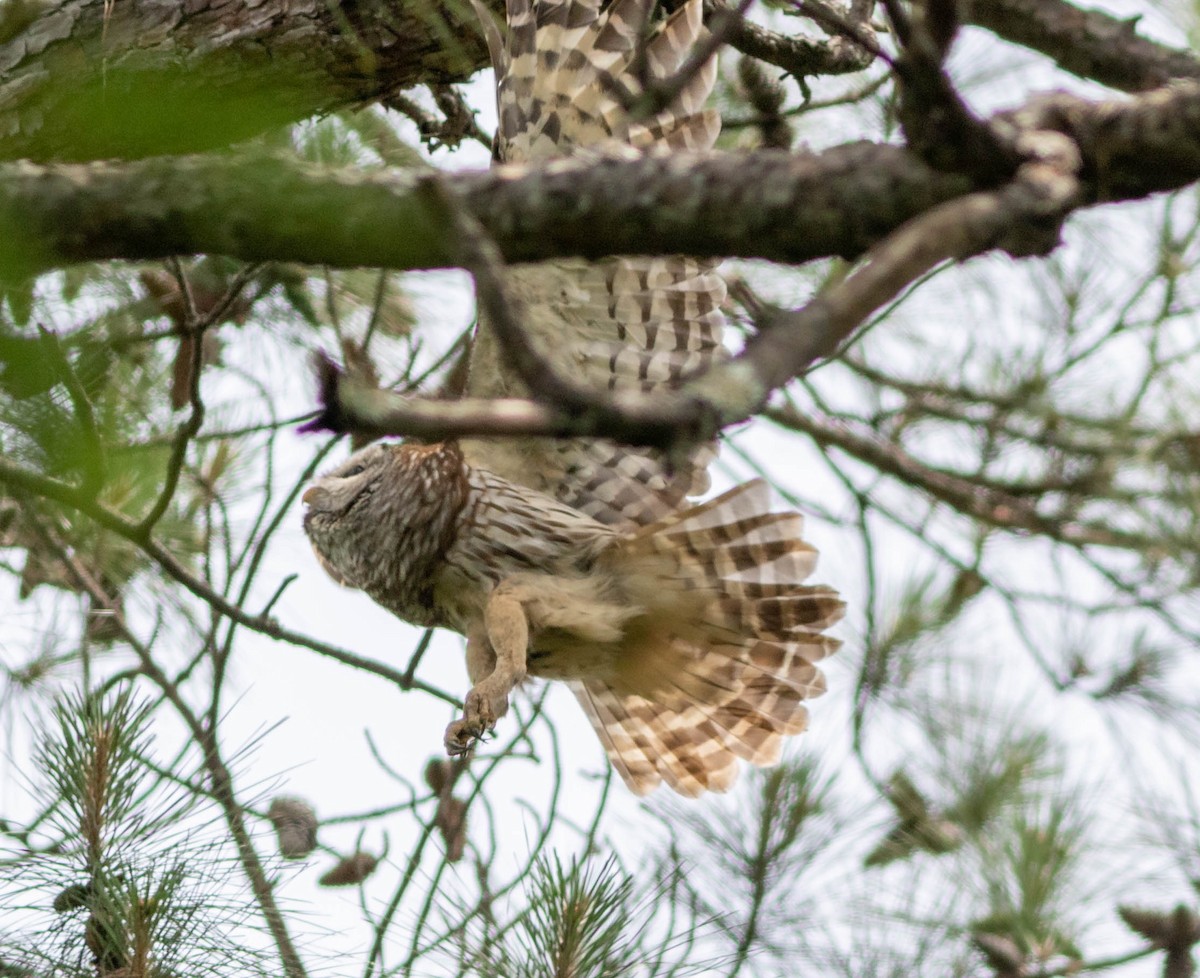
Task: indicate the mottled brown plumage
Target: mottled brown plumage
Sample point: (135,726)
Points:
(622,323)
(690,642)
(686,632)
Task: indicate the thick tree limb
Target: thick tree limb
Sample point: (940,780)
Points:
(1144,144)
(937,123)
(90,79)
(767,204)
(1088,43)
(87,79)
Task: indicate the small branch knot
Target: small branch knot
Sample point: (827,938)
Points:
(1054,149)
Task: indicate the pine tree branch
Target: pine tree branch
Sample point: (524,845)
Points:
(969,497)
(205,739)
(765,204)
(1087,43)
(91,79)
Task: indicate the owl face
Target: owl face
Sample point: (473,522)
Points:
(382,520)
(336,504)
(334,493)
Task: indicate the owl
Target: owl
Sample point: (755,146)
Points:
(686,631)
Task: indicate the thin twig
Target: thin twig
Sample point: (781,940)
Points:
(799,56)
(833,21)
(813,105)
(979,501)
(194,329)
(418,654)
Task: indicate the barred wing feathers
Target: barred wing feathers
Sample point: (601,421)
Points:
(558,81)
(733,654)
(625,323)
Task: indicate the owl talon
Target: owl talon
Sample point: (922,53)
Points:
(476,722)
(461,737)
(485,705)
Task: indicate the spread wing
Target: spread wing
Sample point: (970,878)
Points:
(622,323)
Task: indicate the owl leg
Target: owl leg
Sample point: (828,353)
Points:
(481,659)
(495,663)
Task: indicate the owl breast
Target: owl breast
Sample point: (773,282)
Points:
(508,532)
(428,537)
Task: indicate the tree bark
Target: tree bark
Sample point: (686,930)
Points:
(1087,43)
(86,79)
(768,204)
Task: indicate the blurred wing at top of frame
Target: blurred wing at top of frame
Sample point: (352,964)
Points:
(621,323)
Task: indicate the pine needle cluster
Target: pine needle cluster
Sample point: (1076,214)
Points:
(129,887)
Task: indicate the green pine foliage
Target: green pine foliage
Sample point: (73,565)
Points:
(133,885)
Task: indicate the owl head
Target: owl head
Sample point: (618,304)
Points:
(381,521)
(336,517)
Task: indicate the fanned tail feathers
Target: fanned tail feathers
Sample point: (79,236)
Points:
(725,670)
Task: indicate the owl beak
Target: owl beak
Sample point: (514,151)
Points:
(314,496)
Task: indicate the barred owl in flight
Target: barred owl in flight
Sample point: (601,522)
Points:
(685,631)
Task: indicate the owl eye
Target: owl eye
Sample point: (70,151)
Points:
(357,470)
